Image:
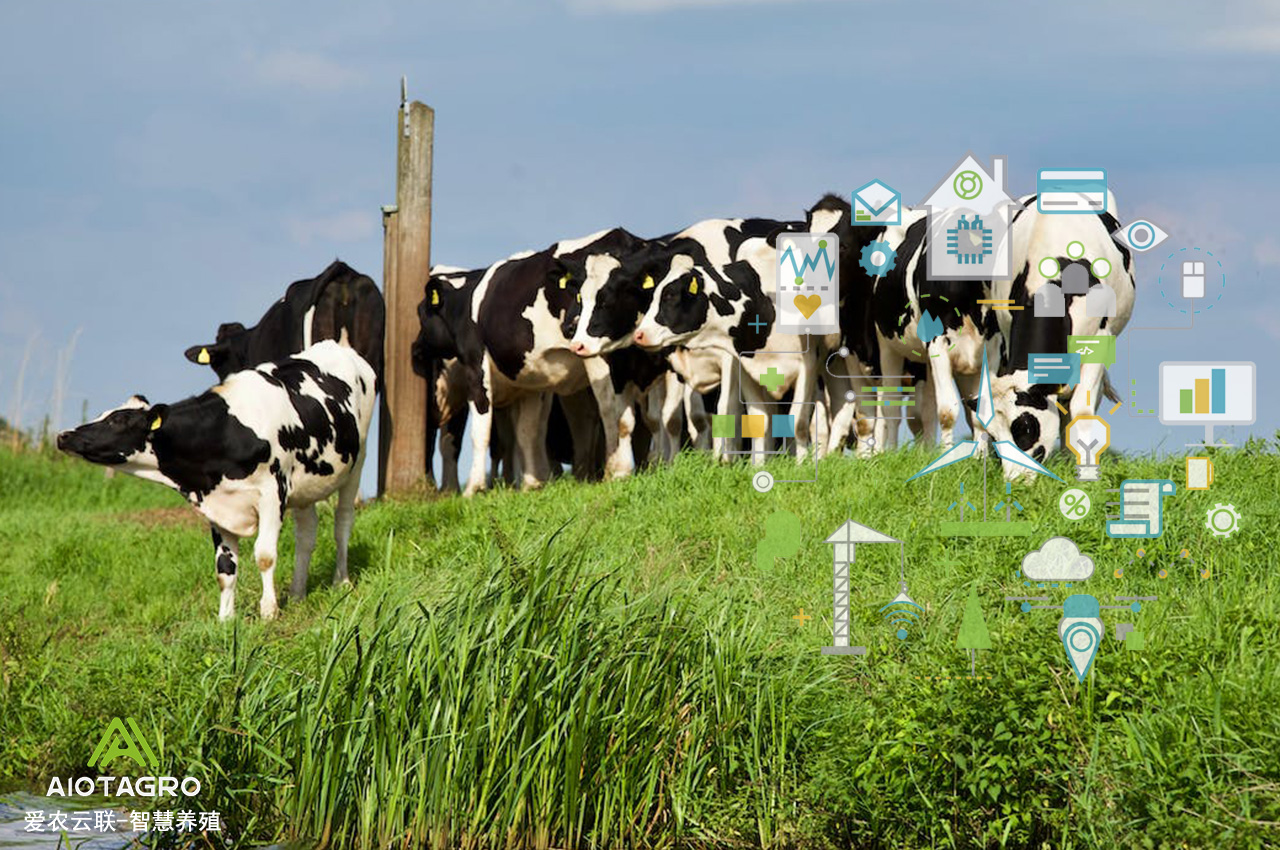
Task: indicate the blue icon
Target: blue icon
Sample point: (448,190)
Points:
(1080,630)
(1058,369)
(783,425)
(877,203)
(878,258)
(1071,191)
(969,242)
(1141,508)
(900,612)
(928,328)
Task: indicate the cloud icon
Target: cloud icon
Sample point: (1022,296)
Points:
(1057,560)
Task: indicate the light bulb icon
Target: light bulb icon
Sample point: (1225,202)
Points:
(1088,437)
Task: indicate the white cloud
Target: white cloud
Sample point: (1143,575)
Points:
(1267,252)
(1057,560)
(1263,38)
(346,226)
(299,69)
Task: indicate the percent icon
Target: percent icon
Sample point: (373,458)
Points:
(1074,504)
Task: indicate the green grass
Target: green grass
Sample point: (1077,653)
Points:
(605,666)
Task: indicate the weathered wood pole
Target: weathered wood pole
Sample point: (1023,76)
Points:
(406,265)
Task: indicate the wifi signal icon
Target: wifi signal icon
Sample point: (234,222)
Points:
(902,612)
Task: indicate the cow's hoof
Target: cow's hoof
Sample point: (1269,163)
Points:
(269,613)
(344,583)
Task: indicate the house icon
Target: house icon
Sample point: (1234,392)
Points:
(969,214)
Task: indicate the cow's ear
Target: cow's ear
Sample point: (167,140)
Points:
(201,354)
(156,417)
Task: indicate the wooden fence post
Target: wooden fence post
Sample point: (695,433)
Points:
(406,266)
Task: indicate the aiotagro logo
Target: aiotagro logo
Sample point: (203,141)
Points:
(124,741)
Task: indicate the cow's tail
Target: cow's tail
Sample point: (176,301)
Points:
(1107,389)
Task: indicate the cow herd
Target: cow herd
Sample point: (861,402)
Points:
(625,336)
(611,351)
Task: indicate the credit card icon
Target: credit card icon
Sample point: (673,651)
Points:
(1057,369)
(1074,190)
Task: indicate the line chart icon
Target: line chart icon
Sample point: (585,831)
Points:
(808,283)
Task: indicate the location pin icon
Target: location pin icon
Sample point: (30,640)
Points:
(1081,631)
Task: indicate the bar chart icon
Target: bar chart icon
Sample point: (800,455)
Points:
(1209,395)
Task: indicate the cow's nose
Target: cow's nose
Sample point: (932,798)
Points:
(64,441)
(640,338)
(578,348)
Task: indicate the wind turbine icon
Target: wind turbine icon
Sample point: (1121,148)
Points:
(1007,450)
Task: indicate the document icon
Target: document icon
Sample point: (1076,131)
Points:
(876,203)
(1057,369)
(1074,190)
(1141,508)
(1094,349)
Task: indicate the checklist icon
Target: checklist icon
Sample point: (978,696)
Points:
(1192,279)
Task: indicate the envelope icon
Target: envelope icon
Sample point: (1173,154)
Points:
(877,203)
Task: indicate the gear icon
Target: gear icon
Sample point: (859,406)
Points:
(878,258)
(1222,520)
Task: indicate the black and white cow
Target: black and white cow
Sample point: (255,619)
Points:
(339,302)
(282,436)
(509,331)
(716,294)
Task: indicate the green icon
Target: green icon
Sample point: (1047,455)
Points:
(968,185)
(772,380)
(973,629)
(781,539)
(724,426)
(1074,504)
(123,744)
(1135,642)
(1099,349)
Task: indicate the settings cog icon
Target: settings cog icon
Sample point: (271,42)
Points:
(878,258)
(1222,520)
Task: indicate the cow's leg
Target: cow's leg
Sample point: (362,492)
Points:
(672,415)
(922,418)
(945,395)
(802,401)
(530,442)
(344,519)
(891,363)
(305,523)
(617,417)
(481,415)
(270,519)
(226,552)
(695,411)
(728,404)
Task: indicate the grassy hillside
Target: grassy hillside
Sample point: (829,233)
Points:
(606,665)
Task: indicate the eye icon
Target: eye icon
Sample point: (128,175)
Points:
(1140,235)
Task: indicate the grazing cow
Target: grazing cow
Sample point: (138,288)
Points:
(284,435)
(1028,413)
(339,300)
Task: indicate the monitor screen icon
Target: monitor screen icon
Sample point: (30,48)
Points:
(1208,394)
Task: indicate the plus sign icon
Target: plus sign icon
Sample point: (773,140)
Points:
(807,289)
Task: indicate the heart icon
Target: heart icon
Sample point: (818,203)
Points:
(808,304)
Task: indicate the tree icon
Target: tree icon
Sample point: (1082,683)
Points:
(973,629)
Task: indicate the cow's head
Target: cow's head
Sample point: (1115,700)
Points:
(616,293)
(1025,414)
(445,304)
(119,437)
(679,307)
(227,354)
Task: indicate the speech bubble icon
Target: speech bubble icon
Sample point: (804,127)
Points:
(781,539)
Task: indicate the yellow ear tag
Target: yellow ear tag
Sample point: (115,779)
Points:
(579,297)
(203,357)
(435,296)
(155,426)
(564,279)
(648,282)
(693,286)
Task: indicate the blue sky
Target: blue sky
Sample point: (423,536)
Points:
(167,167)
